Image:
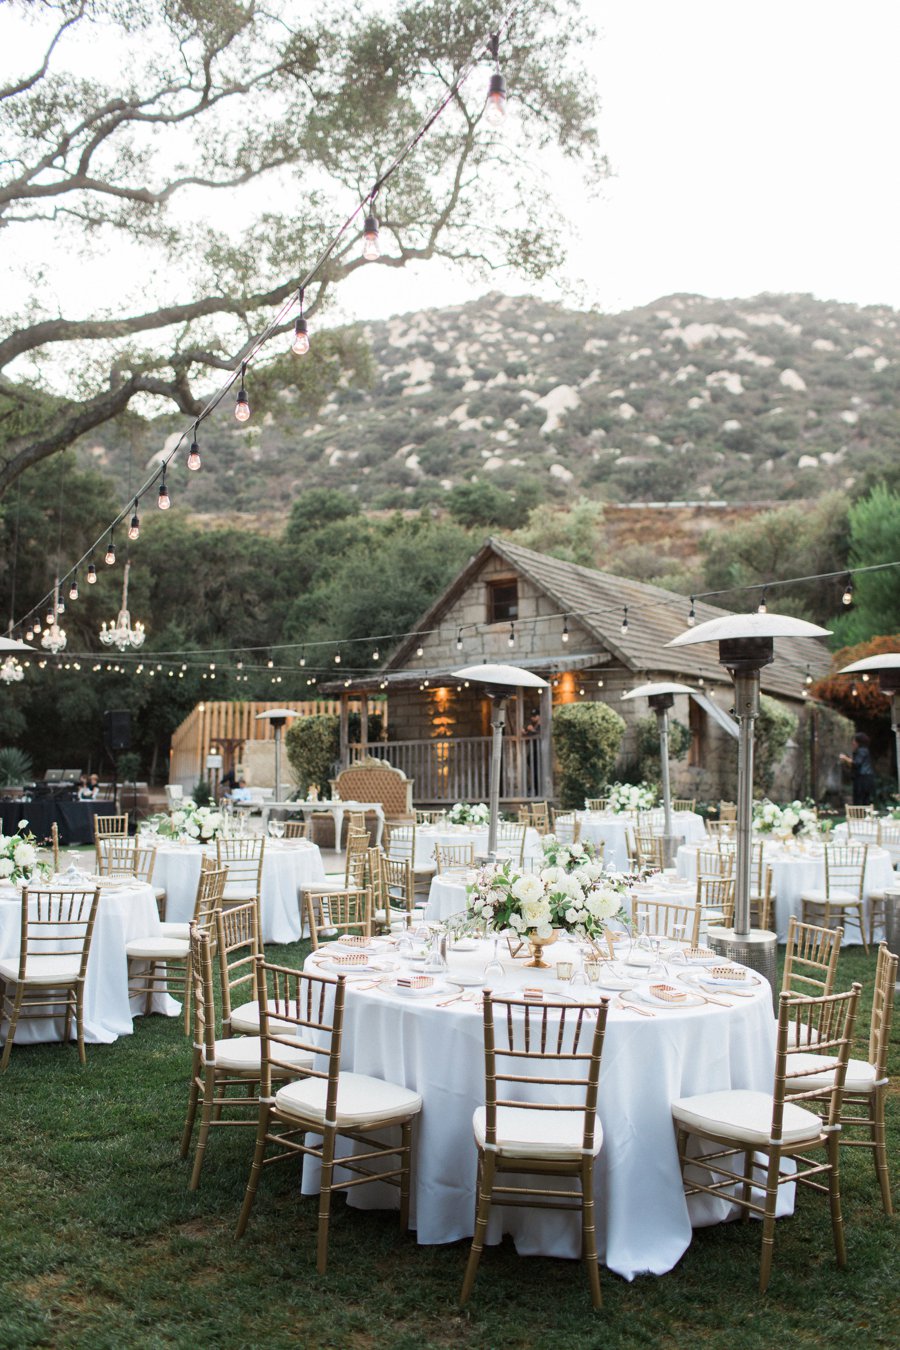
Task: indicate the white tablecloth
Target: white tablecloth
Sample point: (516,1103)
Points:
(287,865)
(336,809)
(447,896)
(643,1219)
(123,914)
(429,835)
(610,829)
(795,871)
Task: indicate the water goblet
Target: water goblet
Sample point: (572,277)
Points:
(493,970)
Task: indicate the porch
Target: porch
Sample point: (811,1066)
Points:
(452,769)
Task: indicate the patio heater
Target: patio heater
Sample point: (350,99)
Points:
(499,683)
(661,697)
(887,668)
(746,644)
(278,717)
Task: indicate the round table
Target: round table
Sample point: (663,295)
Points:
(124,913)
(288,864)
(797,868)
(447,896)
(611,830)
(477,835)
(644,1221)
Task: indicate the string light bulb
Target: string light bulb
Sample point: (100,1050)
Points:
(459,639)
(73,589)
(337,658)
(376,655)
(91,574)
(511,640)
(109,556)
(692,614)
(371,247)
(847,597)
(624,629)
(300,345)
(565,631)
(495,106)
(193,459)
(165,501)
(134,529)
(808,678)
(242,406)
(761,607)
(420,650)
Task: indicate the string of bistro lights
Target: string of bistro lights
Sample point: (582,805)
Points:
(495,111)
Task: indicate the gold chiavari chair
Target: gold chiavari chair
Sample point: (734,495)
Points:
(237,947)
(54,847)
(511,838)
(243,859)
(859,812)
(161,962)
(330,912)
(761,904)
(719,830)
(810,958)
(668,918)
(566,827)
(715,862)
(46,981)
(523,815)
(400,846)
(224,1071)
(109,827)
(448,857)
(742,1124)
(522,1130)
(430,817)
(119,856)
(845,872)
(728,812)
(648,848)
(866,1083)
(540,817)
(295,829)
(684,803)
(326,1103)
(715,901)
(393,893)
(596,803)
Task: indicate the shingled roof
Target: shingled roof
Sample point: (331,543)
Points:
(655,616)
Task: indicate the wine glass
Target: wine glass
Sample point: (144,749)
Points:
(275,829)
(494,968)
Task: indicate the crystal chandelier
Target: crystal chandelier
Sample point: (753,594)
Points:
(120,633)
(10,671)
(53,638)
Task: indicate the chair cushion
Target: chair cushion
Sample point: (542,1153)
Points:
(521,1133)
(245,1020)
(836,898)
(363,1102)
(158,949)
(744,1116)
(860,1075)
(322,887)
(176,930)
(243,1054)
(42,969)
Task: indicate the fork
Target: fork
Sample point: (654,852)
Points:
(633,1007)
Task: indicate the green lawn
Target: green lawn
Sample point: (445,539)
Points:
(102,1245)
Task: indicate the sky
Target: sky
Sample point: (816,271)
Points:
(753,148)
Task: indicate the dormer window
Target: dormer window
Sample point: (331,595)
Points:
(502,601)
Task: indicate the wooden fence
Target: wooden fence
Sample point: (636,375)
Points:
(225,726)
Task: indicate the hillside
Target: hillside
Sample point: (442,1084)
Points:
(768,399)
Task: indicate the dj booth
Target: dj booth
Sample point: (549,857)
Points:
(75,819)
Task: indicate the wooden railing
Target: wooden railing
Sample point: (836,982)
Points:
(458,769)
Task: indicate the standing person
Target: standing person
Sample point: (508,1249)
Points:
(861,770)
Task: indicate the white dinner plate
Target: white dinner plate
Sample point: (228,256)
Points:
(438,987)
(468,980)
(613,981)
(373,968)
(465,945)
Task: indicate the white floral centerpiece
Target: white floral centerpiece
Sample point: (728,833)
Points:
(630,797)
(538,906)
(568,856)
(466,813)
(19,855)
(191,821)
(796,818)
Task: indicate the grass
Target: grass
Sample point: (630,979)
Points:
(102,1244)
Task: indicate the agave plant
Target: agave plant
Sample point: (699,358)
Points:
(15,766)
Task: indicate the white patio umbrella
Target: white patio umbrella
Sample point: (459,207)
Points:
(500,683)
(746,644)
(661,697)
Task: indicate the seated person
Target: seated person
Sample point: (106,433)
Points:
(87,789)
(241,793)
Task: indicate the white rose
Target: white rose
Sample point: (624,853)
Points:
(576,850)
(571,915)
(527,887)
(551,875)
(517,922)
(544,931)
(25,855)
(192,830)
(6,867)
(22,825)
(535,913)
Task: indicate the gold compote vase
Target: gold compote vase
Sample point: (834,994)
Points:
(537,946)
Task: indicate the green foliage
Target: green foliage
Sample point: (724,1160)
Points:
(485,504)
(775,726)
(15,766)
(572,536)
(586,738)
(648,766)
(128,767)
(312,745)
(202,793)
(874,538)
